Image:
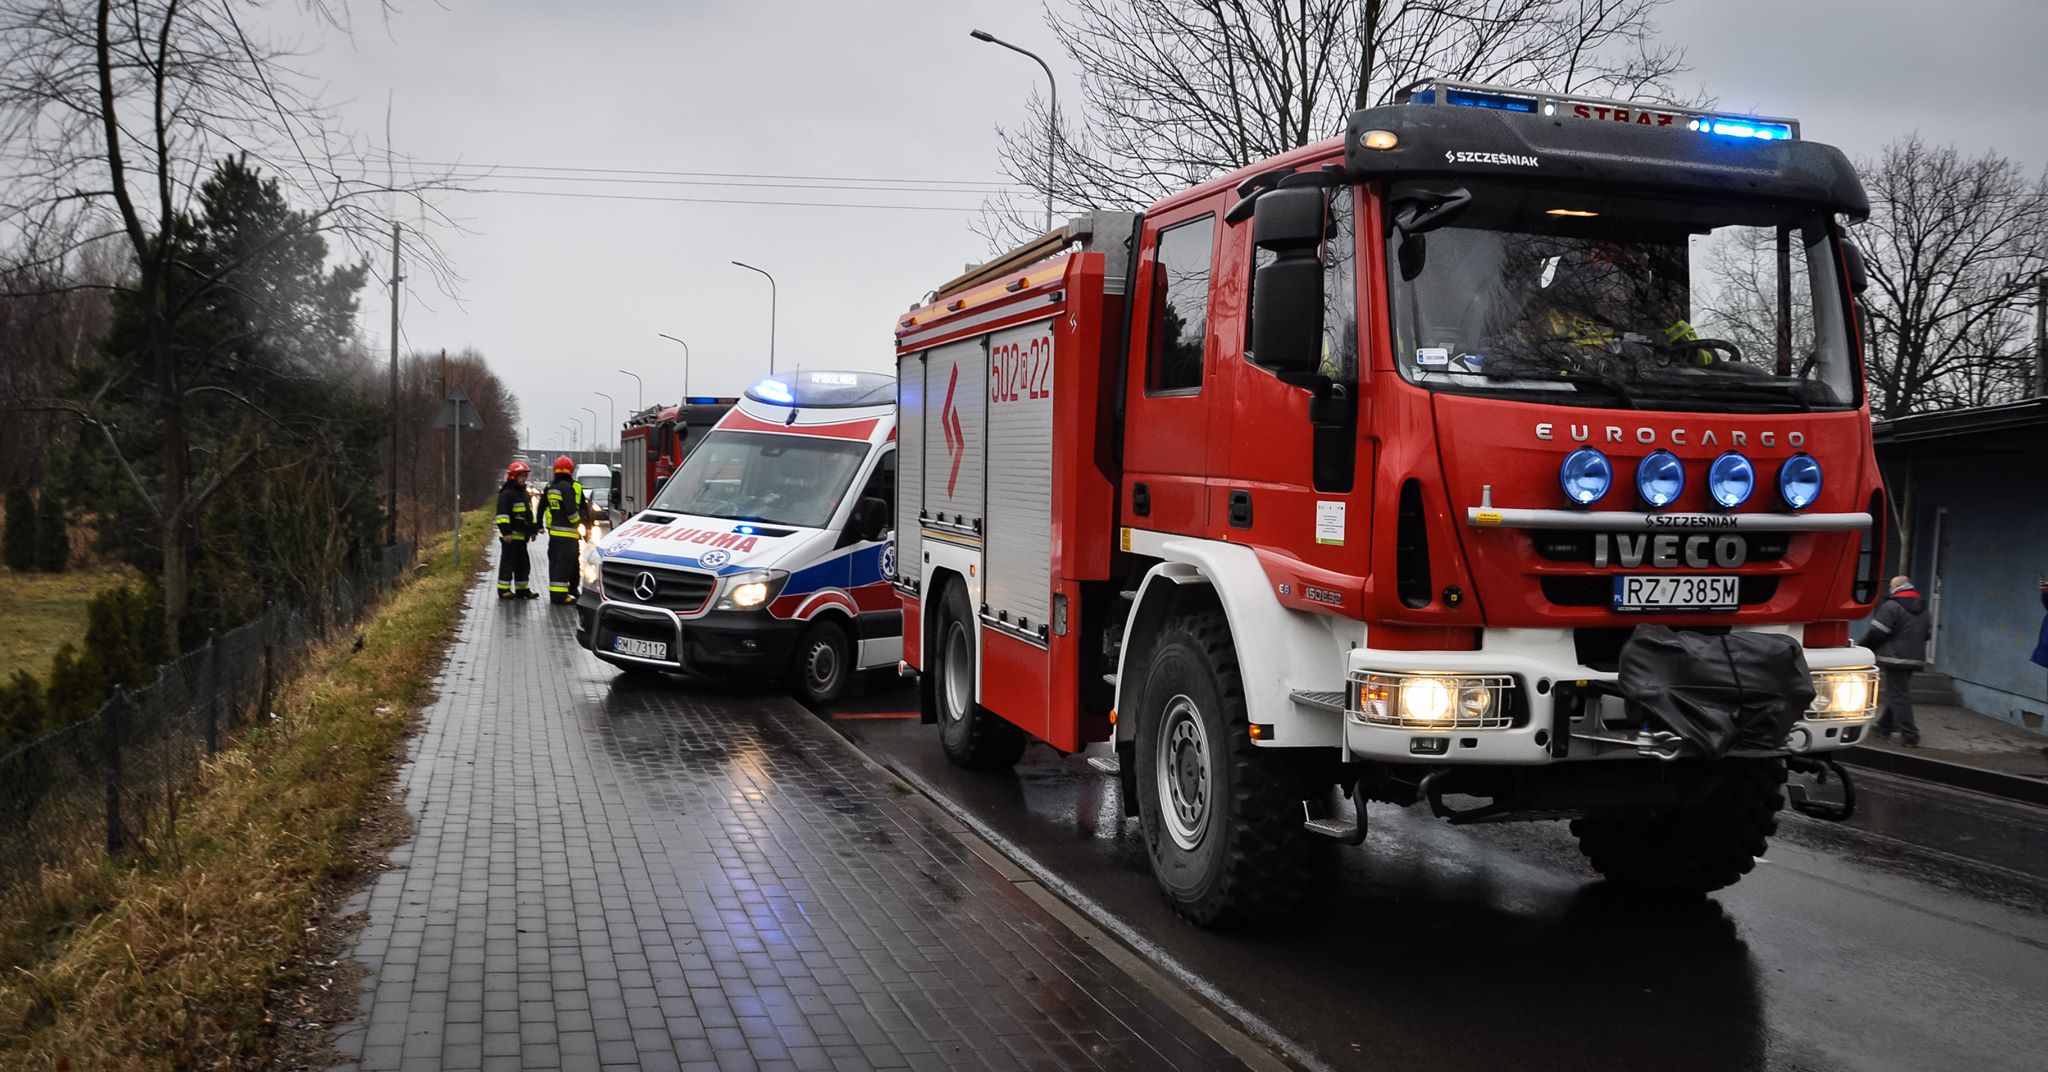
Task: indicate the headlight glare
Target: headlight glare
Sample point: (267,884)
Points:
(750,594)
(592,568)
(1799,481)
(1432,701)
(1660,478)
(1731,480)
(752,590)
(1585,475)
(1425,699)
(1844,694)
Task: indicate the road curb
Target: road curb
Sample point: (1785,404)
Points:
(1954,775)
(1245,1034)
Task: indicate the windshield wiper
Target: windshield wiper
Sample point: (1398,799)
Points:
(1772,390)
(1580,379)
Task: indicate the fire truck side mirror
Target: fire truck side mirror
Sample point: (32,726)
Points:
(659,439)
(612,494)
(1859,276)
(1287,291)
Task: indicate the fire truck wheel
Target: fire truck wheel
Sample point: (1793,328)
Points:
(1693,850)
(821,663)
(972,736)
(1222,818)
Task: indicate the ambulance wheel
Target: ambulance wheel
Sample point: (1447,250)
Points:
(1693,850)
(822,663)
(1222,818)
(971,735)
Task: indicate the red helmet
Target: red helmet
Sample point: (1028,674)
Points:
(564,465)
(516,471)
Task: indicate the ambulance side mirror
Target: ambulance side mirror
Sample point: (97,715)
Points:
(1287,291)
(870,519)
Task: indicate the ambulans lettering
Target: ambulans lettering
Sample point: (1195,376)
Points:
(1510,159)
(1637,116)
(1018,372)
(730,541)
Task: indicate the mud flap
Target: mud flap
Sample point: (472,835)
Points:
(1820,768)
(1717,691)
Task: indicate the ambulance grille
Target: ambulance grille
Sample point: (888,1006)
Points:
(682,591)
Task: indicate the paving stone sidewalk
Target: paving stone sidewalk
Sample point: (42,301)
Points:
(624,875)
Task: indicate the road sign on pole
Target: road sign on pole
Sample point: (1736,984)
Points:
(457,413)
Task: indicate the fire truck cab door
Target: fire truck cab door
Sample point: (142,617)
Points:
(1170,389)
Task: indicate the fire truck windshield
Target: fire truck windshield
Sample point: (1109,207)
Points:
(763,476)
(1579,299)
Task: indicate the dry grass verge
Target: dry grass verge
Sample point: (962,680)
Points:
(174,958)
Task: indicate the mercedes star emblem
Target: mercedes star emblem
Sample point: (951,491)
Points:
(645,586)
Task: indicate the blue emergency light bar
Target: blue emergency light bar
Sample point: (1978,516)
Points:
(1633,113)
(772,390)
(708,400)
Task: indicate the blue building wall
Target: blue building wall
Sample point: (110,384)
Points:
(1994,549)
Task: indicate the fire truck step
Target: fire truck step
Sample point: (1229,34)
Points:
(1110,680)
(1105,764)
(1327,701)
(1334,829)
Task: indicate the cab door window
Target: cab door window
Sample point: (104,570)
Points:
(1180,308)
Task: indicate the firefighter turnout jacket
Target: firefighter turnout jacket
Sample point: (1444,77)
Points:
(562,507)
(515,513)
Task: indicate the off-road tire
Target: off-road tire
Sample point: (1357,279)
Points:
(1691,851)
(1251,860)
(971,735)
(805,669)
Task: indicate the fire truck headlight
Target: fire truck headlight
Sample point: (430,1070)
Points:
(1731,480)
(1432,701)
(1426,699)
(1799,481)
(1847,694)
(1586,475)
(1660,478)
(748,591)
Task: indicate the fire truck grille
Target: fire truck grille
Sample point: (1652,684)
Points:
(1597,590)
(1577,547)
(682,591)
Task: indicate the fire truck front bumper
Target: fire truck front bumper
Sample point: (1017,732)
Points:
(1522,701)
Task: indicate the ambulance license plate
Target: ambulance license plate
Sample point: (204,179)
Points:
(1690,592)
(644,649)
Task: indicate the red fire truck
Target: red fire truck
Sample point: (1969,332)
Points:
(654,443)
(1507,455)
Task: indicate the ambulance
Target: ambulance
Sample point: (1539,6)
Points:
(768,554)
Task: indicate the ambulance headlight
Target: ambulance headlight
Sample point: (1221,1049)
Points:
(1731,480)
(592,567)
(1799,481)
(1660,478)
(1844,694)
(1586,475)
(751,590)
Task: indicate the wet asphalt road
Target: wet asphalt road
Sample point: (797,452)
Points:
(1914,937)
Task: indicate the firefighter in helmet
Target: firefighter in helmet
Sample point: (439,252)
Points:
(516,527)
(562,510)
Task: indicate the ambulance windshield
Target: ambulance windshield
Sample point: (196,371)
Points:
(1625,302)
(764,476)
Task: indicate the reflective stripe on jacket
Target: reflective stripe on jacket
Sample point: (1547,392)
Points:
(562,507)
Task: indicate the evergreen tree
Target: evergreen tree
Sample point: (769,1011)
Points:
(53,533)
(21,711)
(19,543)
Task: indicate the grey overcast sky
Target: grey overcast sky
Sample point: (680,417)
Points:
(558,292)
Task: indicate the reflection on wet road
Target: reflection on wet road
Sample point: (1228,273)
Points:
(1913,938)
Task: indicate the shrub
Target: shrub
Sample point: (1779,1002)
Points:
(53,533)
(19,545)
(21,710)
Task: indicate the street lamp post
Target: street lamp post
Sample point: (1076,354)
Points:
(1052,137)
(615,419)
(771,313)
(641,387)
(686,358)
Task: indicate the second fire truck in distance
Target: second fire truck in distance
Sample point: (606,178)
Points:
(1506,456)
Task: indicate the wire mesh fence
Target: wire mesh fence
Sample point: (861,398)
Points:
(105,785)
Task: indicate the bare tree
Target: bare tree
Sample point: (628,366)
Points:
(1177,91)
(112,115)
(1953,247)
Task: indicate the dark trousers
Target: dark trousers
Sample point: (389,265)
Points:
(515,566)
(1898,705)
(562,565)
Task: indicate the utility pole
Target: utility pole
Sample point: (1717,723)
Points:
(391,504)
(771,320)
(1052,122)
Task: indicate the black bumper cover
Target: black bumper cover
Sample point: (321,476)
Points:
(750,642)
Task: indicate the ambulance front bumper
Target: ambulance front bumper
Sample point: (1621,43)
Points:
(749,642)
(1521,708)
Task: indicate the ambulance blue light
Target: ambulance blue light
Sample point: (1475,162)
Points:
(773,391)
(745,530)
(1586,475)
(1660,478)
